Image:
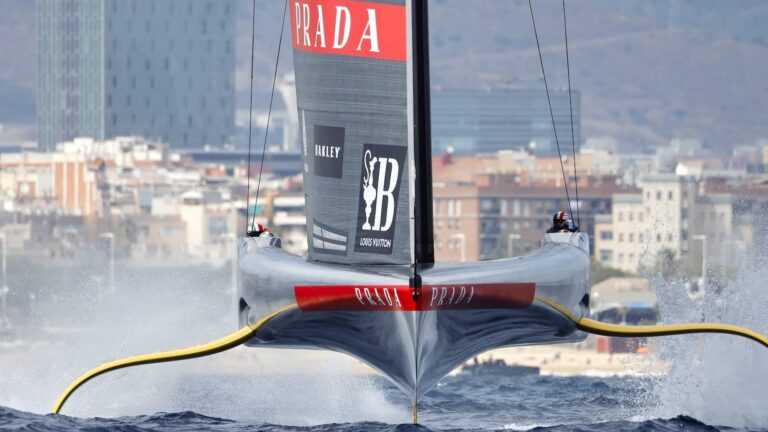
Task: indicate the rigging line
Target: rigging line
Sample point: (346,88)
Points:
(551,113)
(269,113)
(570,106)
(228,342)
(250,122)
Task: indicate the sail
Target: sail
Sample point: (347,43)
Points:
(351,66)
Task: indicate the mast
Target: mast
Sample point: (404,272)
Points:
(423,236)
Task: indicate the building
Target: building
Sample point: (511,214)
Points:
(496,216)
(497,205)
(160,69)
(679,218)
(645,224)
(489,120)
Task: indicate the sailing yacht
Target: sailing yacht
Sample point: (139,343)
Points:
(370,286)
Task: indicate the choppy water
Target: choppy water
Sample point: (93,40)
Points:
(714,382)
(461,402)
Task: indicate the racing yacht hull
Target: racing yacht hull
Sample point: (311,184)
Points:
(369,312)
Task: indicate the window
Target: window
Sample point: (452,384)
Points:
(621,217)
(631,237)
(640,237)
(486,205)
(670,195)
(606,235)
(621,237)
(217,226)
(658,195)
(669,237)
(606,255)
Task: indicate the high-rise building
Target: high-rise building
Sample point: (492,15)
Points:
(160,69)
(489,120)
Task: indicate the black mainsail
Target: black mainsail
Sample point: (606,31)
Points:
(351,66)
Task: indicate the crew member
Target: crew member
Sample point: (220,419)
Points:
(562,222)
(258,229)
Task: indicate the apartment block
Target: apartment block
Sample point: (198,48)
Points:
(679,218)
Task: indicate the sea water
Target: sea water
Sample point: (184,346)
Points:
(712,381)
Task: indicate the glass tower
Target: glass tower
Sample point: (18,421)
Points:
(472,121)
(162,69)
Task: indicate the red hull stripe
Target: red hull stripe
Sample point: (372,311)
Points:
(350,28)
(399,297)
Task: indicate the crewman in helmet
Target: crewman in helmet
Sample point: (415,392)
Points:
(562,222)
(257,229)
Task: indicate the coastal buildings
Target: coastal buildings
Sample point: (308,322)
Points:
(473,121)
(160,69)
(158,203)
(680,219)
(493,206)
(191,204)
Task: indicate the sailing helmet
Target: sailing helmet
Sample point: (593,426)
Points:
(257,229)
(560,217)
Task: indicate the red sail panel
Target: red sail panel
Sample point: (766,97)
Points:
(350,28)
(399,297)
